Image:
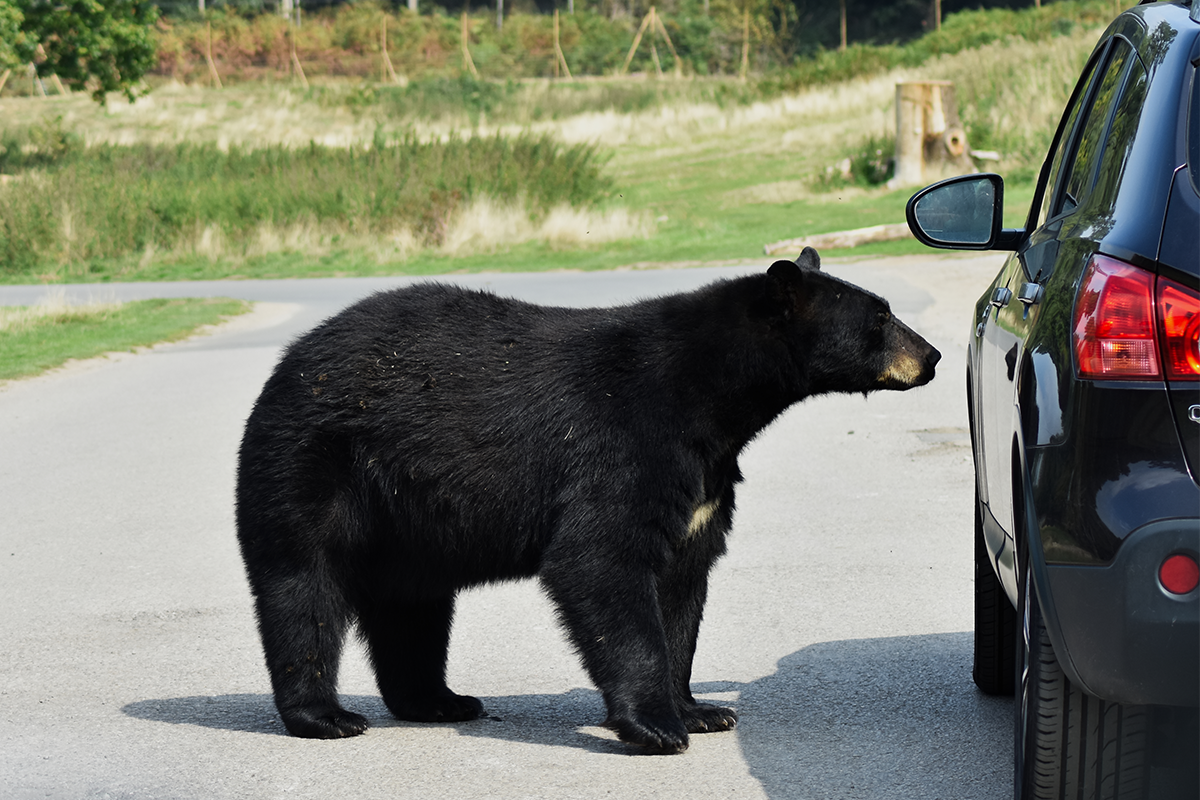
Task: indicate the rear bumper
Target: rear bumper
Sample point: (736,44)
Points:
(1123,635)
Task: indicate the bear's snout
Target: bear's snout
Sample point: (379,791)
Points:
(911,365)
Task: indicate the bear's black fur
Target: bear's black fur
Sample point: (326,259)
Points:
(434,438)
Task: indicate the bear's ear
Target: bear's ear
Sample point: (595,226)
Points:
(786,281)
(785,272)
(808,259)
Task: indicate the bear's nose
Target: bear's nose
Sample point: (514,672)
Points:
(933,357)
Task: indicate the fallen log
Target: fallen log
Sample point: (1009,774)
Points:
(841,240)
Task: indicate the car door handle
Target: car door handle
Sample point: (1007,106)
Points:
(1030,294)
(982,326)
(1000,299)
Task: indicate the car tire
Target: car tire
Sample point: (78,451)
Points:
(995,622)
(1070,745)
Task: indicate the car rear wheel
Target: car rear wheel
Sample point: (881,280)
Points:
(1070,745)
(995,622)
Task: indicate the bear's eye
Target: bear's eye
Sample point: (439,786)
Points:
(883,318)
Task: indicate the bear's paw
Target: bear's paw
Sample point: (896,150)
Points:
(659,735)
(445,706)
(323,722)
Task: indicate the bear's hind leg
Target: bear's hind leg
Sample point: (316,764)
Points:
(407,642)
(303,631)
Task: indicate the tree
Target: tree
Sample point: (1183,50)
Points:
(10,33)
(107,45)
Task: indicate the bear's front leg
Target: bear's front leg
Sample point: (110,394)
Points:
(609,607)
(682,590)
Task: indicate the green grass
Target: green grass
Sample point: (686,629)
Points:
(38,338)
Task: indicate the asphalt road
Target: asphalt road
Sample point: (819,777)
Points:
(838,624)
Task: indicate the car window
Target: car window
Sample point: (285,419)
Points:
(1083,93)
(1194,132)
(1085,156)
(1121,131)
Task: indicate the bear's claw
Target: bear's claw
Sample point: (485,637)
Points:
(705,718)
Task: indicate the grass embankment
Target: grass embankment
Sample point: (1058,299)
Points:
(633,172)
(34,339)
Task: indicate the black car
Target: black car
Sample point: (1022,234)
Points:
(1083,386)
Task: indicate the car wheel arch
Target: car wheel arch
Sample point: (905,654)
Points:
(1028,544)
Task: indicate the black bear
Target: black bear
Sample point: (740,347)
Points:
(433,438)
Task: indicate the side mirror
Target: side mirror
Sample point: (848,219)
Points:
(962,213)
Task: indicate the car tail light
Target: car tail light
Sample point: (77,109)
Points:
(1179,574)
(1114,322)
(1179,313)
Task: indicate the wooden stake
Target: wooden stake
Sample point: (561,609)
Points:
(4,78)
(35,83)
(663,30)
(466,51)
(745,44)
(296,61)
(653,49)
(559,59)
(41,56)
(636,41)
(212,67)
(389,72)
(654,23)
(842,10)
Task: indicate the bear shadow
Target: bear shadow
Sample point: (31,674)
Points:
(548,719)
(245,713)
(891,717)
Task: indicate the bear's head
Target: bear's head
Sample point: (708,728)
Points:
(845,338)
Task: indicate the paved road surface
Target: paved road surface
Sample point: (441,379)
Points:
(838,625)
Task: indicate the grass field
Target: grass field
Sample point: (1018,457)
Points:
(647,171)
(34,339)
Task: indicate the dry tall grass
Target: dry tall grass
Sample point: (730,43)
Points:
(53,309)
(312,237)
(481,226)
(486,226)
